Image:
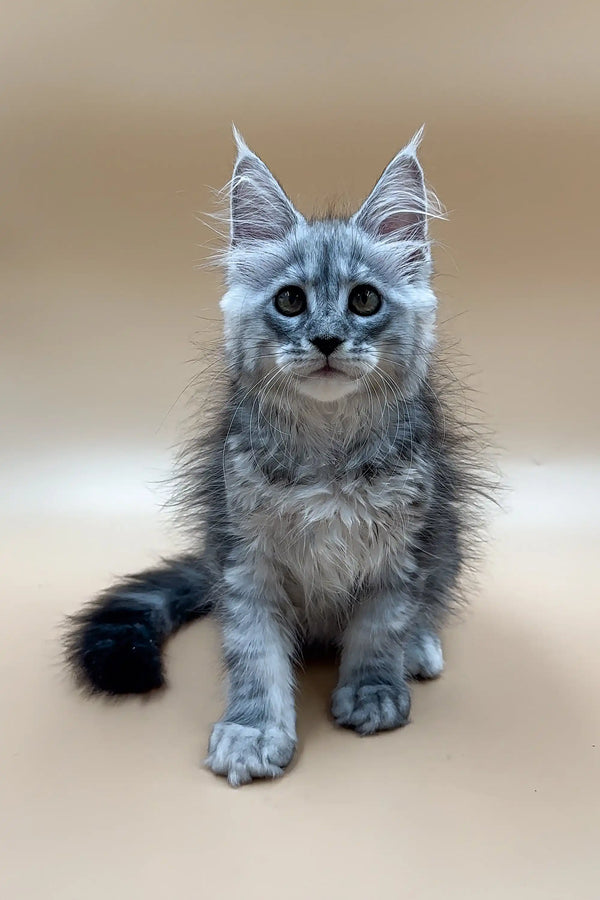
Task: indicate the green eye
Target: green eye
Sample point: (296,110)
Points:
(290,301)
(364,300)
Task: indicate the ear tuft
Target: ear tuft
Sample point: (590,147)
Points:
(415,142)
(240,143)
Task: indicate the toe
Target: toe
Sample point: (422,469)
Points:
(371,708)
(243,753)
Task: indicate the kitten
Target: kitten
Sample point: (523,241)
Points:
(331,499)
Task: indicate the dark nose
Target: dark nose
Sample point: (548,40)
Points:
(326,344)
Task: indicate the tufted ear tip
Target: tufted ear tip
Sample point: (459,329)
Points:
(242,147)
(414,143)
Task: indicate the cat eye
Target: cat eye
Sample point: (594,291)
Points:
(364,300)
(290,301)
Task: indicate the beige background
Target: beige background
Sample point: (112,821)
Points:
(116,122)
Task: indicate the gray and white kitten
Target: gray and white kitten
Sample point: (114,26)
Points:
(331,499)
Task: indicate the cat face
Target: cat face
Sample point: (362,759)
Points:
(331,307)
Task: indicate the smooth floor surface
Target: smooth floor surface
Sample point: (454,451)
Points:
(116,119)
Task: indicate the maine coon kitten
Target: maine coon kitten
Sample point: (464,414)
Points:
(331,499)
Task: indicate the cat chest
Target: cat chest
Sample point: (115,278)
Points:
(328,538)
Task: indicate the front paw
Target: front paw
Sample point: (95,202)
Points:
(242,753)
(368,708)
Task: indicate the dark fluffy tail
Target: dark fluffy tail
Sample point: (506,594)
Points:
(114,645)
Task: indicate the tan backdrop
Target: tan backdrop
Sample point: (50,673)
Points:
(116,125)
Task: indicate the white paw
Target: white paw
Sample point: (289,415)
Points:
(242,753)
(368,708)
(423,657)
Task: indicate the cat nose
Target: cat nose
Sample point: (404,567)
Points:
(327,343)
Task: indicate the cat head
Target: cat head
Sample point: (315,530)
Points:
(329,307)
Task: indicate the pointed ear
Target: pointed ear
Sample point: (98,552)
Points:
(396,208)
(260,209)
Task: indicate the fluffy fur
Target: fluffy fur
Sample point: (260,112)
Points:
(332,500)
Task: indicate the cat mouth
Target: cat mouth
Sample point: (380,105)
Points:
(326,371)
(327,383)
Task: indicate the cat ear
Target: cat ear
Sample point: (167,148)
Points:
(396,208)
(260,209)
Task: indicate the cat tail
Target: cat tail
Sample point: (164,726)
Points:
(114,644)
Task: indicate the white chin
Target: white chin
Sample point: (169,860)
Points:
(327,388)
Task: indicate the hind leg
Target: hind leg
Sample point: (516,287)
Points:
(423,657)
